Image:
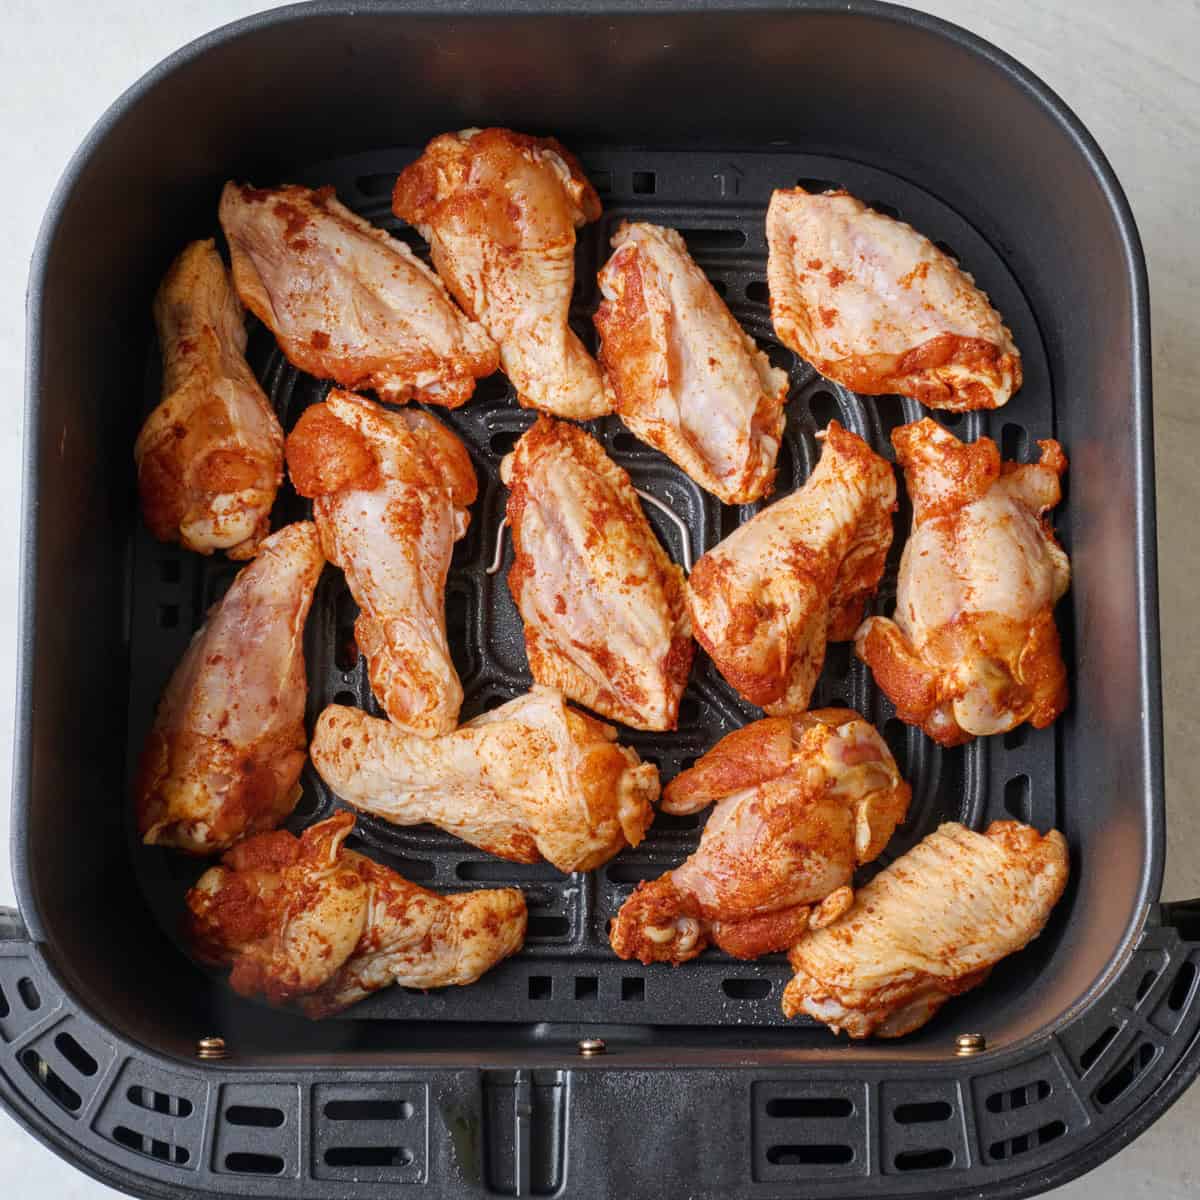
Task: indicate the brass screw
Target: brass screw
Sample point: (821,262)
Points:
(590,1047)
(211,1047)
(969,1043)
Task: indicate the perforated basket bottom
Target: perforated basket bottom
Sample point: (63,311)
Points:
(567,972)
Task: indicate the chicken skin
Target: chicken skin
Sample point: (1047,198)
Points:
(348,302)
(766,600)
(686,378)
(604,607)
(223,757)
(973,648)
(499,210)
(390,492)
(930,926)
(306,922)
(877,307)
(800,802)
(530,780)
(210,456)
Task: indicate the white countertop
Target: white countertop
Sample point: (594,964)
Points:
(1131,72)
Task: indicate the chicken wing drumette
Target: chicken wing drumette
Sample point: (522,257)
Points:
(930,926)
(306,922)
(529,780)
(499,210)
(765,601)
(973,648)
(800,802)
(390,494)
(210,456)
(223,757)
(874,305)
(348,302)
(686,377)
(604,608)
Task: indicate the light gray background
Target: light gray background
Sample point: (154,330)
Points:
(1132,73)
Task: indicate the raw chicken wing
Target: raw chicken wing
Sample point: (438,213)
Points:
(224,755)
(973,648)
(210,456)
(529,780)
(799,804)
(930,926)
(765,601)
(348,302)
(499,210)
(686,377)
(304,921)
(390,493)
(874,305)
(604,607)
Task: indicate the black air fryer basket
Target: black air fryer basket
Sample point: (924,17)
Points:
(688,118)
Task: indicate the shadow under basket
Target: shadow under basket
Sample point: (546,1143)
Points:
(687,119)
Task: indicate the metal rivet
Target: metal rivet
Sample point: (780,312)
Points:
(969,1043)
(590,1047)
(211,1047)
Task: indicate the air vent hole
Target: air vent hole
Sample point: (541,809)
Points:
(368,1156)
(809,1108)
(824,408)
(541,987)
(368,1110)
(810,1156)
(758,292)
(1182,987)
(746,989)
(1097,1048)
(76,1055)
(645,183)
(54,1086)
(587,987)
(923,1113)
(1017,798)
(924,1160)
(633,988)
(243,1162)
(254,1116)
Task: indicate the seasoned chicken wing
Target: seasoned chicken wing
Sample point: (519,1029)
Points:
(304,921)
(529,780)
(499,210)
(605,614)
(800,802)
(210,456)
(874,305)
(223,757)
(765,601)
(348,302)
(930,926)
(390,492)
(973,648)
(686,377)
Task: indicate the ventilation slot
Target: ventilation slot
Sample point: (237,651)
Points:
(1181,989)
(496,870)
(633,988)
(1097,1048)
(76,1055)
(818,185)
(1014,739)
(758,292)
(626,443)
(746,989)
(924,1160)
(159,1102)
(831,1155)
(644,183)
(414,868)
(1014,443)
(923,1113)
(375,185)
(778,356)
(633,872)
(368,1156)
(1145,984)
(542,926)
(348,699)
(587,987)
(56,1088)
(713,239)
(1017,798)
(890,411)
(824,408)
(368,1110)
(502,442)
(541,987)
(141,1143)
(1023,1143)
(244,1162)
(491,390)
(602,181)
(810,1108)
(345,653)
(950,420)
(254,1116)
(837,659)
(679,821)
(4,1008)
(1018,1097)
(168,616)
(1126,1075)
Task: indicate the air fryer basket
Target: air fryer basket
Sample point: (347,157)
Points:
(688,118)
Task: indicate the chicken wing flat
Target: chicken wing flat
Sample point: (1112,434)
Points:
(930,926)
(604,608)
(877,307)
(765,601)
(529,780)
(799,804)
(499,210)
(223,757)
(973,648)
(306,922)
(687,379)
(210,456)
(348,302)
(390,492)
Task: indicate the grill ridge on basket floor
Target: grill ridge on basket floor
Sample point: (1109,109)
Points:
(567,971)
